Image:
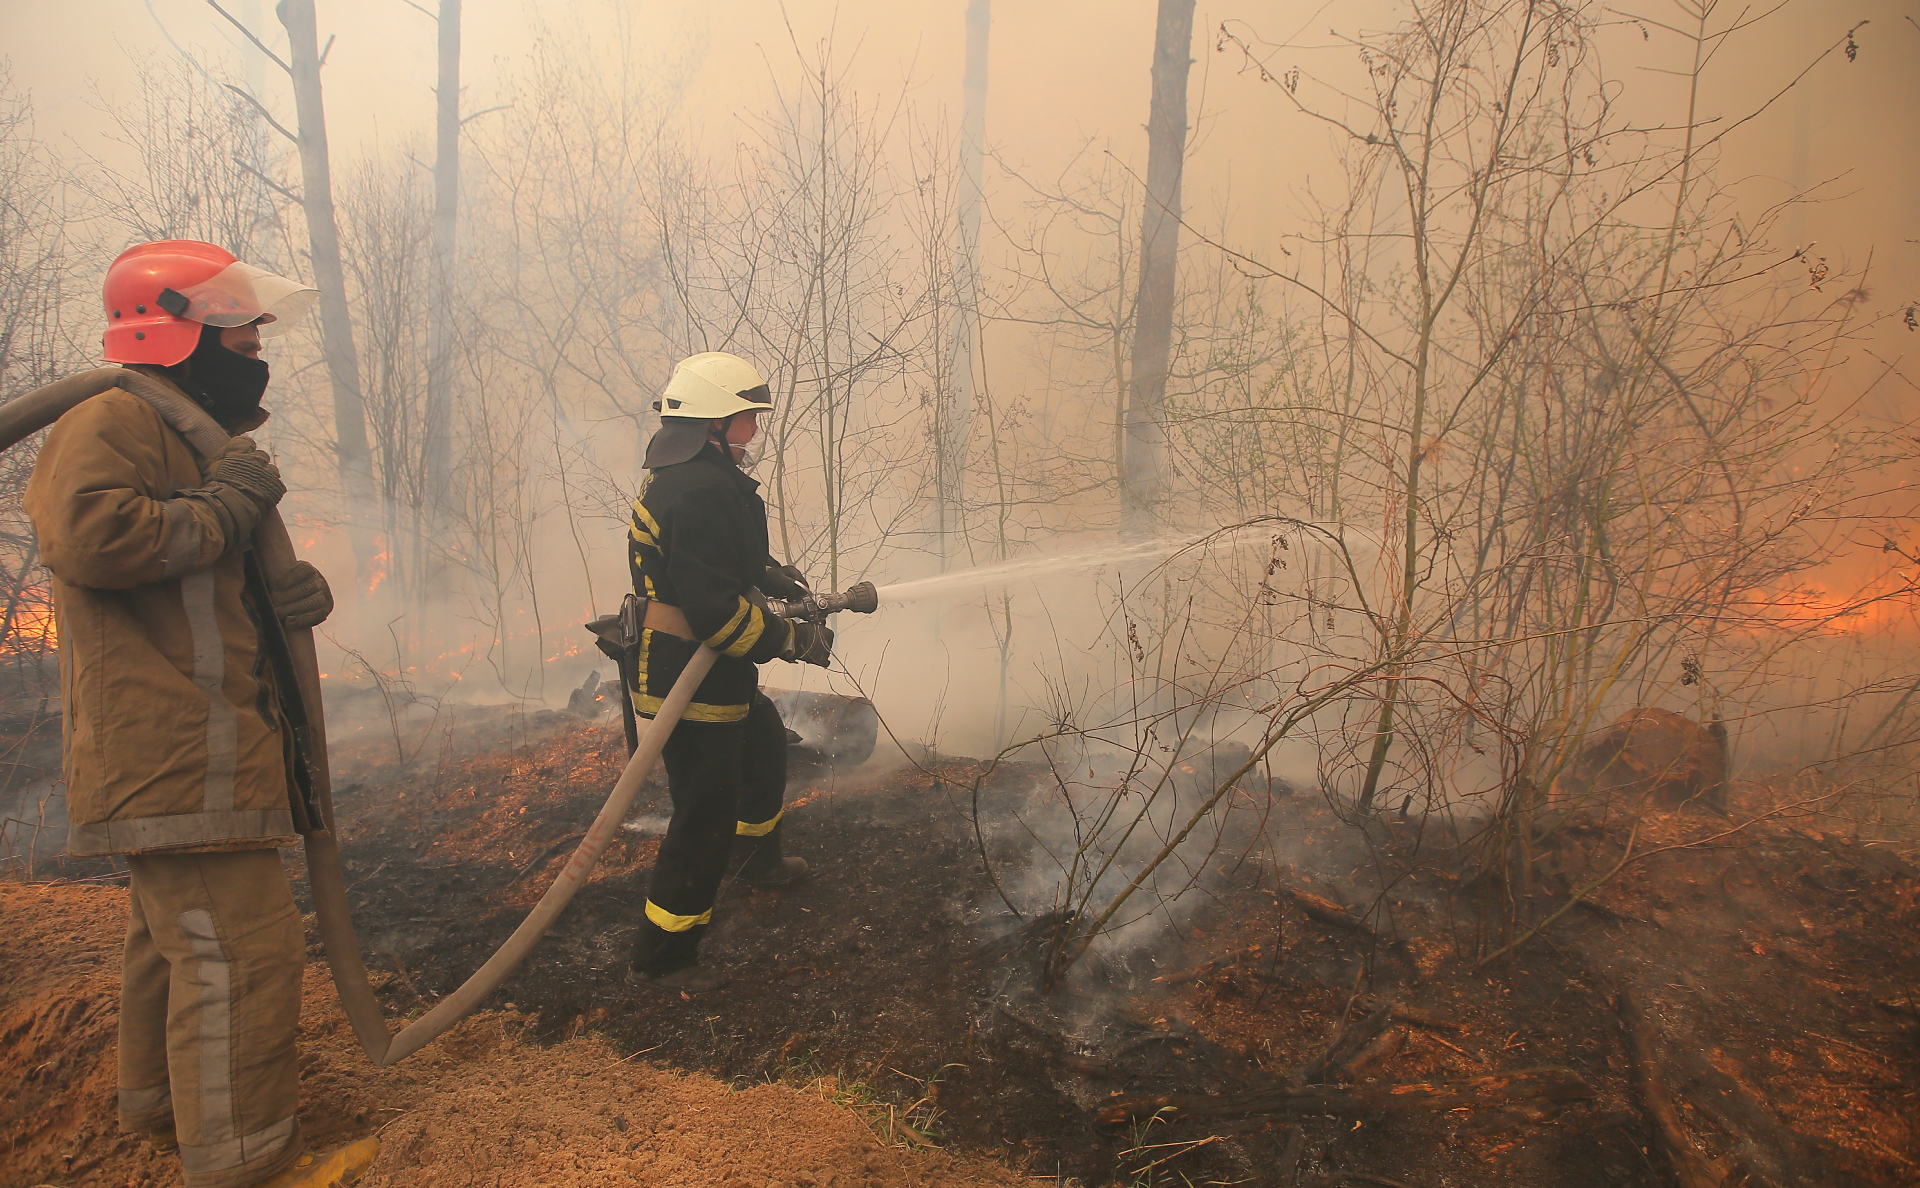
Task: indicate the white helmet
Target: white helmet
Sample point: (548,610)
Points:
(704,388)
(712,385)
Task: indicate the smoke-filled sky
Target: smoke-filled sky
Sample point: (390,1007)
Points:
(1063,73)
(1070,77)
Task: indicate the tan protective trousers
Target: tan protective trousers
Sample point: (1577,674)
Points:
(209,1003)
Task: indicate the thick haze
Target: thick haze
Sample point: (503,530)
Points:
(1067,79)
(1064,73)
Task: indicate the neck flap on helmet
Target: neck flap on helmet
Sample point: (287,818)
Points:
(679,439)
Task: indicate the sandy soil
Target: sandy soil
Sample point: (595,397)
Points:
(480,1107)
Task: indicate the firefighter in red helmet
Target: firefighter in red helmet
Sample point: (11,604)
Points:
(179,752)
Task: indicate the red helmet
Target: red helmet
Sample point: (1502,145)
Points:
(159,294)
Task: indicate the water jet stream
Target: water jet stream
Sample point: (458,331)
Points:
(968,580)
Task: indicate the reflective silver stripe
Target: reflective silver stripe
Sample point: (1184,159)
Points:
(210,673)
(216,1037)
(135,1103)
(207,1158)
(138,834)
(183,538)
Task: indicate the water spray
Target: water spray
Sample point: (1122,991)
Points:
(966,581)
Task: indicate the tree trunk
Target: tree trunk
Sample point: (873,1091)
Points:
(323,236)
(446,212)
(957,417)
(1140,463)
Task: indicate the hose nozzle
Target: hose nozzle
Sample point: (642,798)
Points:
(861,599)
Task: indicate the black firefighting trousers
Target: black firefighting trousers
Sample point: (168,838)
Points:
(727,779)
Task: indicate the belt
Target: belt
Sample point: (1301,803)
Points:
(670,619)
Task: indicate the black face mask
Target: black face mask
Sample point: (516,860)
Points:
(226,383)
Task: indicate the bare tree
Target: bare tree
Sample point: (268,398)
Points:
(323,251)
(446,225)
(1140,479)
(36,347)
(953,424)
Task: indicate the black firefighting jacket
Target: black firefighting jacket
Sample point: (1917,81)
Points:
(698,541)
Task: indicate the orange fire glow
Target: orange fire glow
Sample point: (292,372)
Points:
(1888,603)
(32,631)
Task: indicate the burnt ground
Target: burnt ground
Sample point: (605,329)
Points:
(1776,964)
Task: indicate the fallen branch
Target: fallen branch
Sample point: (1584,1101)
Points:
(541,858)
(1348,1039)
(1691,1168)
(1330,913)
(1765,1153)
(1379,1050)
(1550,1086)
(1413,1016)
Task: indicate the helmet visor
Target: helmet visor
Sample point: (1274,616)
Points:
(239,294)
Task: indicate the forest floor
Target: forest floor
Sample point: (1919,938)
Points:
(889,1006)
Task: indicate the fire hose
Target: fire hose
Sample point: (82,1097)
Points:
(36,410)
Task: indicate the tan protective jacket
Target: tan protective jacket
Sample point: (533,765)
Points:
(174,737)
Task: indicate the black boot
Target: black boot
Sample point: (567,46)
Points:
(670,960)
(766,866)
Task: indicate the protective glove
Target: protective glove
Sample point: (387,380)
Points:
(242,483)
(301,598)
(808,643)
(785,581)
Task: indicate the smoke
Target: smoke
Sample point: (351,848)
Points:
(1614,489)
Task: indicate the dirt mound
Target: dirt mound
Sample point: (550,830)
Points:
(480,1107)
(59,1012)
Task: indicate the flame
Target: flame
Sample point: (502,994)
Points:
(33,631)
(1885,603)
(379,565)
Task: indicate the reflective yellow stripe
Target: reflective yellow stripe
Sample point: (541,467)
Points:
(647,705)
(673,923)
(756,627)
(714,640)
(642,537)
(646,519)
(745,829)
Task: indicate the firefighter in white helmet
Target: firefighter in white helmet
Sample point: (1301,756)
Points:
(698,551)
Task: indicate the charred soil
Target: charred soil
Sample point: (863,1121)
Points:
(1321,1015)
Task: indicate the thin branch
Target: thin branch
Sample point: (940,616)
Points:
(484,111)
(264,113)
(266,181)
(248,33)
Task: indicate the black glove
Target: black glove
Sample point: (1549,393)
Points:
(242,483)
(785,581)
(301,597)
(808,643)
